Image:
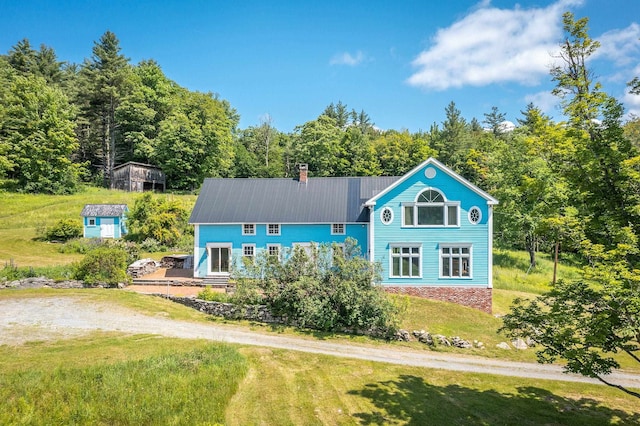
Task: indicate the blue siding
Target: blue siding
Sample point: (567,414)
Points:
(290,234)
(431,238)
(119,225)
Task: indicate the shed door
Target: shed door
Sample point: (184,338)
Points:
(107,227)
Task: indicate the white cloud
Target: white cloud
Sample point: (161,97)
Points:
(546,102)
(620,46)
(347,58)
(632,104)
(492,45)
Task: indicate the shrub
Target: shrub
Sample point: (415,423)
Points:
(324,291)
(64,230)
(213,296)
(103,265)
(160,218)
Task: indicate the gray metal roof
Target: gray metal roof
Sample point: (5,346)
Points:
(109,210)
(320,200)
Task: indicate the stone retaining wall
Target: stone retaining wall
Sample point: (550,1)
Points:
(473,297)
(227,310)
(39,282)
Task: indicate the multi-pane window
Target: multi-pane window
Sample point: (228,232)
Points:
(455,261)
(475,215)
(406,261)
(273,250)
(92,221)
(273,229)
(386,216)
(248,251)
(431,209)
(248,229)
(337,229)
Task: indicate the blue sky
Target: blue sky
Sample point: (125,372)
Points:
(401,62)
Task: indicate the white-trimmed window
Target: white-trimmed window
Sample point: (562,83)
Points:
(91,221)
(455,261)
(406,261)
(273,229)
(337,229)
(248,229)
(219,259)
(431,208)
(273,250)
(475,215)
(386,216)
(249,251)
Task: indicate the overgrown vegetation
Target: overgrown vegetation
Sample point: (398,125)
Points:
(325,288)
(104,265)
(160,222)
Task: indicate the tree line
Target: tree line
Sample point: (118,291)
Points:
(63,124)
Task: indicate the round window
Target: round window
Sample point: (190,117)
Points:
(386,215)
(430,172)
(475,215)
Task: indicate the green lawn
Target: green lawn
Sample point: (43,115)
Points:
(107,378)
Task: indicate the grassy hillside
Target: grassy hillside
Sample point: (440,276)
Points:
(22,215)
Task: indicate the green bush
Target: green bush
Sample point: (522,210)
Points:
(104,265)
(324,291)
(213,296)
(64,230)
(162,219)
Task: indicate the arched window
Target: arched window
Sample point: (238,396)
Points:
(431,208)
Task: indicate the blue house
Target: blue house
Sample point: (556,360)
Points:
(431,230)
(104,220)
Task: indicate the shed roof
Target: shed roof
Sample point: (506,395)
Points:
(108,210)
(320,200)
(133,163)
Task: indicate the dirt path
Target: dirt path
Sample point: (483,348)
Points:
(24,320)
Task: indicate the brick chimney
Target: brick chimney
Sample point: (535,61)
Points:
(303,168)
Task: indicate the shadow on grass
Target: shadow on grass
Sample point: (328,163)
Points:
(410,400)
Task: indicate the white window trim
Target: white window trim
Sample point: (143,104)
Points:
(445,207)
(401,246)
(479,215)
(246,246)
(390,210)
(333,229)
(95,222)
(218,245)
(248,233)
(469,256)
(273,233)
(279,250)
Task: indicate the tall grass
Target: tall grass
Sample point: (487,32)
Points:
(511,271)
(169,387)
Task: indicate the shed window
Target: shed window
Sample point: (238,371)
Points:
(91,221)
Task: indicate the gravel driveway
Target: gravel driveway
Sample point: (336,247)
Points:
(44,318)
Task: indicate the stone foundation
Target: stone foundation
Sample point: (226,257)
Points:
(473,297)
